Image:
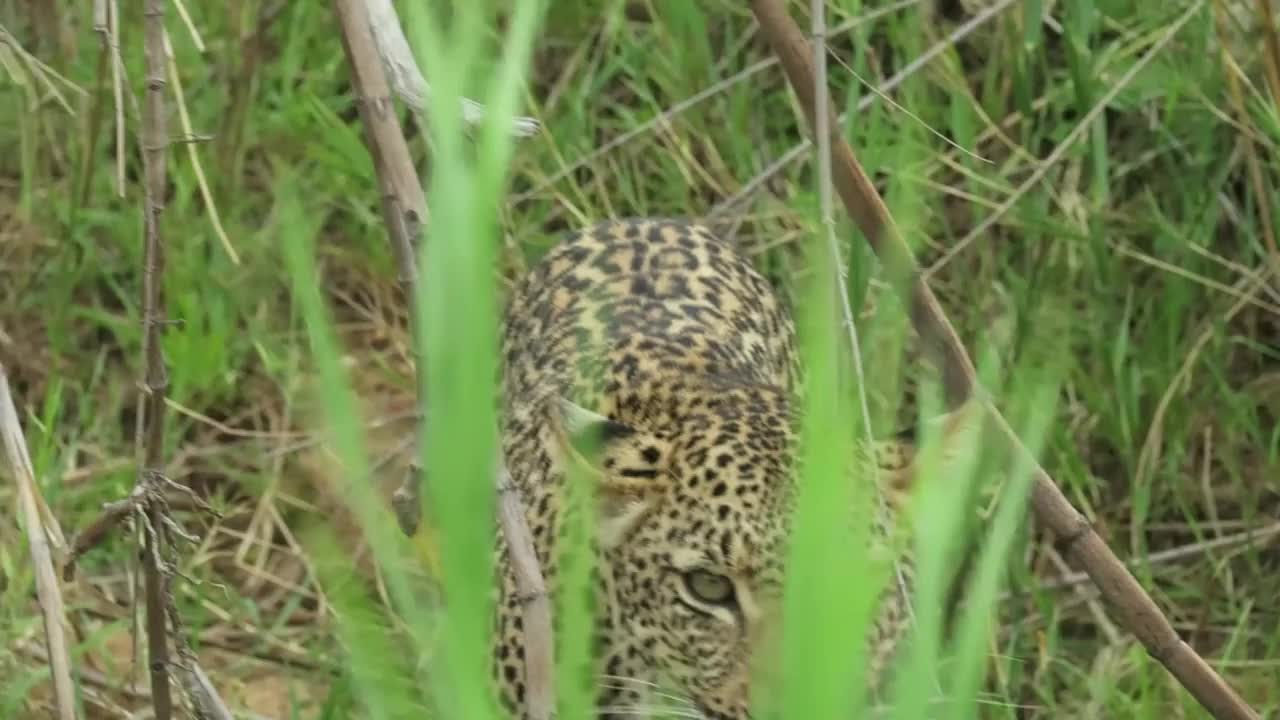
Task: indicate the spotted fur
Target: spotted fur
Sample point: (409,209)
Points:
(662,345)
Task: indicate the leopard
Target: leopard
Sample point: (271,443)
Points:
(650,356)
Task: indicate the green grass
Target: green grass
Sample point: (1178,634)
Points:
(1111,270)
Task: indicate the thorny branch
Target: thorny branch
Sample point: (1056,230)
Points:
(147,504)
(1133,606)
(150,425)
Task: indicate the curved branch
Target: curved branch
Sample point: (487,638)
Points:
(1134,608)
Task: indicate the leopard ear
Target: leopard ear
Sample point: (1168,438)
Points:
(628,465)
(584,428)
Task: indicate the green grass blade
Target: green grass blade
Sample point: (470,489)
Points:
(386,693)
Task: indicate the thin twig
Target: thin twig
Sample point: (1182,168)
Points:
(1234,291)
(47,590)
(1258,537)
(185,118)
(113,513)
(1100,618)
(87,675)
(206,703)
(539,659)
(1078,540)
(872,217)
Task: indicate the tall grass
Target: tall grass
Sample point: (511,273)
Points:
(835,579)
(384,676)
(1123,266)
(829,586)
(458,332)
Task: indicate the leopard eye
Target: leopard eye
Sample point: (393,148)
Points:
(709,587)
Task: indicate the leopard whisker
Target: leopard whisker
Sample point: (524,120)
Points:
(649,711)
(620,682)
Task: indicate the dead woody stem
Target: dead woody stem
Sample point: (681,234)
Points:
(150,431)
(1131,604)
(147,504)
(404,206)
(43,539)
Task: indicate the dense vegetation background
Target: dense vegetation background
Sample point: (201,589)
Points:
(1133,250)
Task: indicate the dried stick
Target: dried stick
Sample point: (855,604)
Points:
(404,206)
(1134,608)
(47,590)
(190,140)
(539,659)
(404,211)
(150,436)
(1256,537)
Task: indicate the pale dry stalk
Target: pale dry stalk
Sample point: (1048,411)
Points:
(38,538)
(406,78)
(404,205)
